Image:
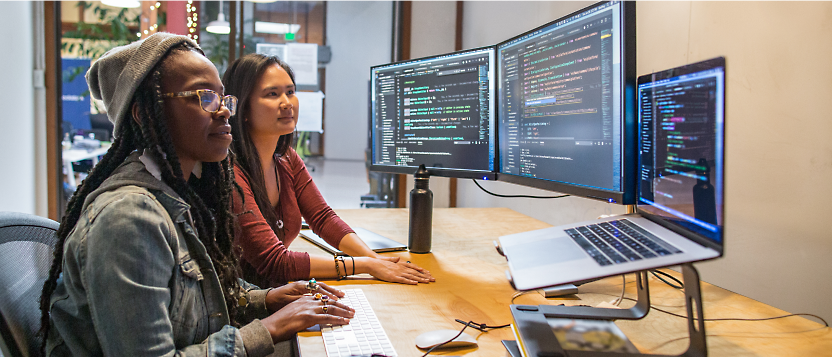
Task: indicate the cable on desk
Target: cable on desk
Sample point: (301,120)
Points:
(481,327)
(826,324)
(656,272)
(623,288)
(757,319)
(519,293)
(513,196)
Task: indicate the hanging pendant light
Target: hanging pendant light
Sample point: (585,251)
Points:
(132,4)
(219,26)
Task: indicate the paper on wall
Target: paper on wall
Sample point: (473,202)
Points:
(311,111)
(303,58)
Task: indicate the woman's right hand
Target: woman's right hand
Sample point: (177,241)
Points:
(304,313)
(280,296)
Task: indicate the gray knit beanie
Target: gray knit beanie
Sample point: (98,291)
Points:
(115,76)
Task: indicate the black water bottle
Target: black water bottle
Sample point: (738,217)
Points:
(421,213)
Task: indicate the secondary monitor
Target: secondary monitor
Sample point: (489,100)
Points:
(567,106)
(437,111)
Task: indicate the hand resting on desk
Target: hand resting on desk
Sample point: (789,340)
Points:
(394,270)
(391,269)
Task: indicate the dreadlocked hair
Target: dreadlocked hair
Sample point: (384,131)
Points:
(211,210)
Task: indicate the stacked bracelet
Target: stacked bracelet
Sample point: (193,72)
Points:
(337,269)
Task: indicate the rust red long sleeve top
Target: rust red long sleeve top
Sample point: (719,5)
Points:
(262,251)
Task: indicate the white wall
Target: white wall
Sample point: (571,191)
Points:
(433,28)
(778,151)
(17,146)
(359,34)
(779,155)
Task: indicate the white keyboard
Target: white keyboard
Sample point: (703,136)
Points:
(364,334)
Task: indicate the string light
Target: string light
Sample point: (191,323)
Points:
(154,27)
(193,20)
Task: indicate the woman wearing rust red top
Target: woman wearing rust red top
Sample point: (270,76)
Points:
(277,189)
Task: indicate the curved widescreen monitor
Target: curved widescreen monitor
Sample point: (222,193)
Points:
(437,111)
(566,104)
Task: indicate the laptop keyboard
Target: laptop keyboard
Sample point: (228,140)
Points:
(619,241)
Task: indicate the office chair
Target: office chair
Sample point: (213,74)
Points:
(26,245)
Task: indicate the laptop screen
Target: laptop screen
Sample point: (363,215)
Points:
(681,141)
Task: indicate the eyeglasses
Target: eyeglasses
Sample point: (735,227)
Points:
(208,100)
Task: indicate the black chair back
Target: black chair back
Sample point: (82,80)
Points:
(26,246)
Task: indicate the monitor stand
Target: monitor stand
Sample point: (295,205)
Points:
(539,340)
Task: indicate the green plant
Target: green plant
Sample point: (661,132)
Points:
(216,49)
(115,27)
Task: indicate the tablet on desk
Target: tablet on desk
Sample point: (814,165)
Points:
(378,243)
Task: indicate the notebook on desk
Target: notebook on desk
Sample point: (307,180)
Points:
(378,243)
(679,212)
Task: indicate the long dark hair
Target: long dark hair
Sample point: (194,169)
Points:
(239,81)
(210,200)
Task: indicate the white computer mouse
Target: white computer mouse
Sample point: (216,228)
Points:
(433,338)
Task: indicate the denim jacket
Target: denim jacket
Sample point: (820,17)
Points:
(131,284)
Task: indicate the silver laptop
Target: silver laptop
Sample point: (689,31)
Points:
(679,211)
(376,242)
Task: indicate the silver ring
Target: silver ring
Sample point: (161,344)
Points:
(312,285)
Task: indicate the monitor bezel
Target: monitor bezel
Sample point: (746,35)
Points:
(627,195)
(663,221)
(435,171)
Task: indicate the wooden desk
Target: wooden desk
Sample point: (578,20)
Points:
(471,285)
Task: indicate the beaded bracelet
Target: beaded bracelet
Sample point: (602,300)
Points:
(337,269)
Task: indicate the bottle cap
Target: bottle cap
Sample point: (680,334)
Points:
(422,172)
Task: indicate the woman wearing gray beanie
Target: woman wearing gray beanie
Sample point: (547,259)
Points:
(144,263)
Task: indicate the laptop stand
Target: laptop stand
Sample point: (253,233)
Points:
(539,340)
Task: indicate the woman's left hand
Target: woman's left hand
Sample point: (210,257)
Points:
(394,270)
(283,295)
